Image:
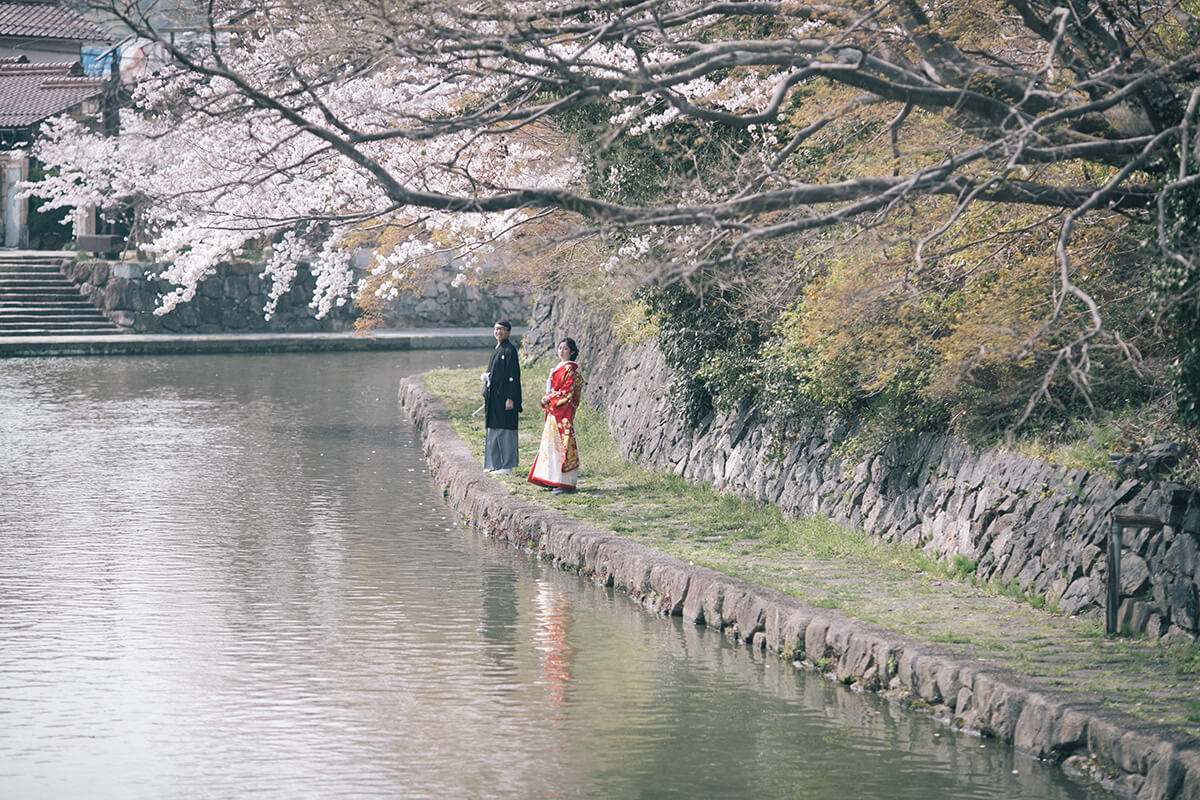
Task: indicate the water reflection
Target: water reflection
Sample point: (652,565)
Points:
(232,576)
(552,617)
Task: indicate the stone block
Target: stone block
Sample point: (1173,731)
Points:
(703,599)
(123,295)
(211,287)
(1181,556)
(170,323)
(790,638)
(744,611)
(128,270)
(1083,593)
(1135,574)
(815,648)
(857,662)
(235,288)
(925,672)
(627,568)
(187,315)
(1190,519)
(1134,616)
(671,583)
(1165,776)
(948,683)
(1181,599)
(99,273)
(995,708)
(963,705)
(1049,730)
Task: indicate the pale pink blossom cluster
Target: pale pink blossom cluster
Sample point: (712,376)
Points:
(212,170)
(211,174)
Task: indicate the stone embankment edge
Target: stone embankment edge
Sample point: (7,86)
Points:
(127,344)
(1145,760)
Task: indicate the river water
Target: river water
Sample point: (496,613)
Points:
(232,576)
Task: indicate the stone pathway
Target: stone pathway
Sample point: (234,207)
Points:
(1070,654)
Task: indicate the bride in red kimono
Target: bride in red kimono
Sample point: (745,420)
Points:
(556,465)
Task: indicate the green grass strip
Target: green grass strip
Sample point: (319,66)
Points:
(830,565)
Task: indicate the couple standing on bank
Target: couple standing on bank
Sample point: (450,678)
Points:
(556,465)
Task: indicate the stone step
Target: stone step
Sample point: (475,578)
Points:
(46,273)
(13,270)
(44,331)
(29,269)
(24,284)
(13,319)
(37,296)
(7,259)
(82,324)
(75,310)
(28,277)
(74,301)
(36,299)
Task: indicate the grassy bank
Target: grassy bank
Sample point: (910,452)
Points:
(829,565)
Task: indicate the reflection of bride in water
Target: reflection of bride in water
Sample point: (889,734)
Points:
(550,638)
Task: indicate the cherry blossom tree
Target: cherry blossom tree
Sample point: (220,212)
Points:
(306,121)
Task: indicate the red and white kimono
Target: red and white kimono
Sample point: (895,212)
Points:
(557,461)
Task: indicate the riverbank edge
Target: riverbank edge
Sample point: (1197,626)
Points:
(126,344)
(1127,755)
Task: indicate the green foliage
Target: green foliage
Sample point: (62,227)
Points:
(1184,658)
(642,169)
(1024,594)
(956,340)
(709,344)
(1176,293)
(961,568)
(632,323)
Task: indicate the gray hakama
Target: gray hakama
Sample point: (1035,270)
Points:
(500,449)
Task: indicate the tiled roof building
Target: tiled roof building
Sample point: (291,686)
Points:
(41,76)
(46,19)
(30,93)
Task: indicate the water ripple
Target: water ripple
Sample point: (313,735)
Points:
(232,577)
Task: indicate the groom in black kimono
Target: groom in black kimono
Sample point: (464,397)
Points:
(502,399)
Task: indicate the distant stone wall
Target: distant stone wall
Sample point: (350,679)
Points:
(1018,519)
(439,303)
(233,300)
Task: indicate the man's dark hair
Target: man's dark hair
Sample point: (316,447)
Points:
(504,323)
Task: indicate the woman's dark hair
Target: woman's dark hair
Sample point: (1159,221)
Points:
(574,348)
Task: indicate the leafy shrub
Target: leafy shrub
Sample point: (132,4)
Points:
(708,343)
(1176,284)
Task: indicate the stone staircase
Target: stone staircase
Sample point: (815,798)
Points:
(36,299)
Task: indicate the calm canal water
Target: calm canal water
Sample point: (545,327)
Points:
(231,576)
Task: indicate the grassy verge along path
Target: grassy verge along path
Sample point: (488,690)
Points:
(832,566)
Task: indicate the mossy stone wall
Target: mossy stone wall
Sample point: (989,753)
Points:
(1022,522)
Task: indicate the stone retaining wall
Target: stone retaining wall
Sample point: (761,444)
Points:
(439,302)
(1150,761)
(232,300)
(1019,520)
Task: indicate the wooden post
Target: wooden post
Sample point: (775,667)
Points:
(1114,578)
(1118,525)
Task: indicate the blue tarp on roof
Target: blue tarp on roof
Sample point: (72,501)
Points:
(97,61)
